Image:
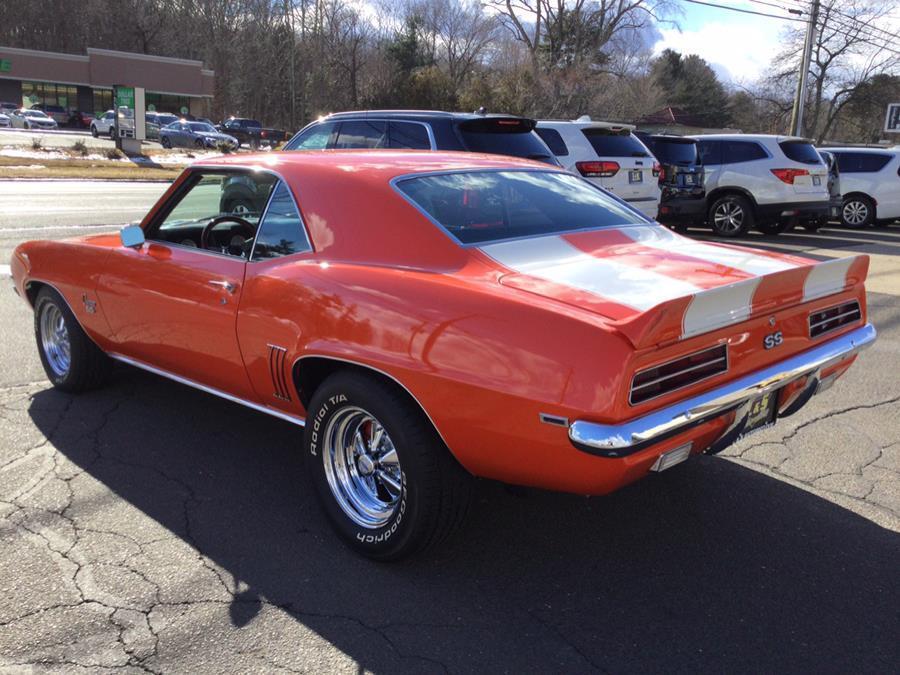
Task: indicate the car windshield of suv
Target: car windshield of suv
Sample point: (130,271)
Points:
(164,120)
(675,150)
(504,136)
(200,126)
(615,143)
(800,151)
(477,207)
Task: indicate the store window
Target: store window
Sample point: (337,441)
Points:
(102,101)
(48,93)
(167,103)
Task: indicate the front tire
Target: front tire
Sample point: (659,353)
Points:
(857,212)
(70,358)
(165,142)
(731,216)
(94,132)
(382,473)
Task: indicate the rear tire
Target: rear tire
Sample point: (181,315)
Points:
(70,358)
(857,212)
(165,142)
(731,216)
(94,131)
(388,494)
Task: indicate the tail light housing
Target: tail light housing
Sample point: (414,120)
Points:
(788,175)
(262,134)
(597,169)
(826,320)
(679,373)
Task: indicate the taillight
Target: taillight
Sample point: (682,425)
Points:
(826,320)
(788,175)
(657,170)
(681,372)
(262,134)
(597,169)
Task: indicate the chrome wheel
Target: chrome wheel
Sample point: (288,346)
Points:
(855,213)
(362,467)
(728,217)
(55,339)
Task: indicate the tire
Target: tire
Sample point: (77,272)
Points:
(240,207)
(857,212)
(27,125)
(384,510)
(71,360)
(774,228)
(112,133)
(165,142)
(94,131)
(731,216)
(199,144)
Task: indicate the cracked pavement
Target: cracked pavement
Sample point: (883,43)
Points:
(150,527)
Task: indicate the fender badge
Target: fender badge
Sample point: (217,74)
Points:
(89,305)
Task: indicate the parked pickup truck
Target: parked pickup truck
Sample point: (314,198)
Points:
(251,132)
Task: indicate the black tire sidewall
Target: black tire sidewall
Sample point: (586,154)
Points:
(745,225)
(350,390)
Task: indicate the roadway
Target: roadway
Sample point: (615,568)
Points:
(149,526)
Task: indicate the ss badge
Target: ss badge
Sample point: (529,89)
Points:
(773,340)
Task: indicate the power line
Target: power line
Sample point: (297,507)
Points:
(745,11)
(832,11)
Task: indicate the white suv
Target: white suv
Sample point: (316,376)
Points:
(870,183)
(771,182)
(608,155)
(104,124)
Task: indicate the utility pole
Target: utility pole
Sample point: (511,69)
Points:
(797,128)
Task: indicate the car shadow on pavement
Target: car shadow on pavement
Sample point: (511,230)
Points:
(710,566)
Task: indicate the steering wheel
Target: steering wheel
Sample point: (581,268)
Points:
(246,226)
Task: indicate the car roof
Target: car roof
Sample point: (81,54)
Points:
(419,114)
(376,163)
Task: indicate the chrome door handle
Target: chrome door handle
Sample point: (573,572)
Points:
(225,285)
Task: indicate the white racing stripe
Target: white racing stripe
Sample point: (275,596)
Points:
(556,260)
(826,278)
(659,237)
(717,307)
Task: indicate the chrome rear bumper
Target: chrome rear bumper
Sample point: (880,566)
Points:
(620,440)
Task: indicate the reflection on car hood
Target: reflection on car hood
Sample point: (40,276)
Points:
(214,135)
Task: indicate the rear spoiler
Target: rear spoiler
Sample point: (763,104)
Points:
(708,310)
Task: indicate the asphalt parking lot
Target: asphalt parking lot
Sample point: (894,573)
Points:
(150,527)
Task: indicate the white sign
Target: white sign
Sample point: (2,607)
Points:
(892,119)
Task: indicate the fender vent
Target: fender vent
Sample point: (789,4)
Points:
(677,374)
(832,318)
(277,357)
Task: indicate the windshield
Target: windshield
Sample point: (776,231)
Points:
(615,143)
(800,151)
(674,151)
(505,136)
(487,206)
(202,126)
(34,113)
(166,119)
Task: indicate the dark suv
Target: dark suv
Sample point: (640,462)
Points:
(424,130)
(682,199)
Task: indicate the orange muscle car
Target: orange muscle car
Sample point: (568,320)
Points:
(429,317)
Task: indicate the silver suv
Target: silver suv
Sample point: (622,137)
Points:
(771,182)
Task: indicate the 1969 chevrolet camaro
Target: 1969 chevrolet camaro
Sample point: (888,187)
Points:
(429,317)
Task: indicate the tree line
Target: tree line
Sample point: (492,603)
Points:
(289,61)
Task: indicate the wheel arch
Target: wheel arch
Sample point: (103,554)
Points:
(718,193)
(311,370)
(864,195)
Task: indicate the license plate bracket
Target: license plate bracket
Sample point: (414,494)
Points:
(817,180)
(635,176)
(762,414)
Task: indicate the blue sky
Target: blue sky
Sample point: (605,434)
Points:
(739,46)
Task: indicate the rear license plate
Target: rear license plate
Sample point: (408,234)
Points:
(689,179)
(762,413)
(817,180)
(635,176)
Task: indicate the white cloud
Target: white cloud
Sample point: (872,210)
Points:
(739,51)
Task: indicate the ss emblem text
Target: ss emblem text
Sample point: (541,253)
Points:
(773,340)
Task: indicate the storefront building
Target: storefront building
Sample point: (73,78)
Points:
(76,82)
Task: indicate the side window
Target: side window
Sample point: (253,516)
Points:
(281,231)
(362,134)
(235,199)
(554,141)
(741,151)
(314,138)
(710,152)
(408,136)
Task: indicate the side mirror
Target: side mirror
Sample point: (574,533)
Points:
(132,236)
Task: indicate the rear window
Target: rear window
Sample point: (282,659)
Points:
(487,206)
(800,151)
(610,143)
(675,150)
(861,162)
(554,141)
(504,136)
